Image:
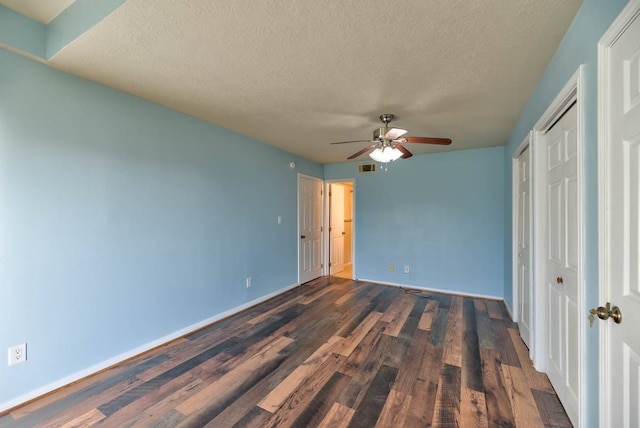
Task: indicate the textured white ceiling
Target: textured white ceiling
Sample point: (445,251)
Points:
(298,74)
(40,10)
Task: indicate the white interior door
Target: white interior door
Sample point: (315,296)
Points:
(523,246)
(562,245)
(336,228)
(309,228)
(620,223)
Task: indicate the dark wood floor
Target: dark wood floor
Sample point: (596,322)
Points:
(331,353)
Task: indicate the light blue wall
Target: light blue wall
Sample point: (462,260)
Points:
(45,40)
(441,214)
(22,33)
(122,221)
(579,46)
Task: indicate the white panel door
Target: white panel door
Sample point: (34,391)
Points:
(524,246)
(562,260)
(309,228)
(620,249)
(336,228)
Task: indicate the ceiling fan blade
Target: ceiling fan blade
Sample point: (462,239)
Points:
(428,140)
(354,141)
(361,152)
(394,133)
(405,153)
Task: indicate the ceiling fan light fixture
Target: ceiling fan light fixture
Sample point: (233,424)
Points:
(385,154)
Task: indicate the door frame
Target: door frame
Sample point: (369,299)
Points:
(310,177)
(630,12)
(573,91)
(325,231)
(515,212)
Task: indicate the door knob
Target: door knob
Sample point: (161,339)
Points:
(344,233)
(302,236)
(606,312)
(559,280)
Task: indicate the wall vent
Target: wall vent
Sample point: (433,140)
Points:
(366,168)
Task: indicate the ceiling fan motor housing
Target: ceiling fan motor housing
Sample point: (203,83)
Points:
(380,132)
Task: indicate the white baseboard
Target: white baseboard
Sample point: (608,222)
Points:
(133,352)
(436,290)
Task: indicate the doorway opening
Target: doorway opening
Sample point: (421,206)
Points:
(340,233)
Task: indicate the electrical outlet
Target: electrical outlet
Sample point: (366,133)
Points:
(17,354)
(406,268)
(391,268)
(249,282)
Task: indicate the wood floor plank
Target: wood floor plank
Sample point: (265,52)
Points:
(426,387)
(339,416)
(256,417)
(366,414)
(471,359)
(279,394)
(427,316)
(82,397)
(525,409)
(297,403)
(320,405)
(151,410)
(447,409)
(473,409)
(400,317)
(439,326)
(333,352)
(92,417)
(535,379)
(411,324)
(217,393)
(499,412)
(375,342)
(347,346)
(365,373)
(480,304)
(452,354)
(407,373)
(345,298)
(550,408)
(395,308)
(395,410)
(276,309)
(486,335)
(493,307)
(508,353)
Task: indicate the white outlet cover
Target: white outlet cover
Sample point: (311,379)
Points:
(17,354)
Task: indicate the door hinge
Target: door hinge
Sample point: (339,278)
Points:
(321,265)
(321,228)
(329,264)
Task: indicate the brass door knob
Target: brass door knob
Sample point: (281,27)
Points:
(606,312)
(559,280)
(302,236)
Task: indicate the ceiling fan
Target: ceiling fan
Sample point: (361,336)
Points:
(387,143)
